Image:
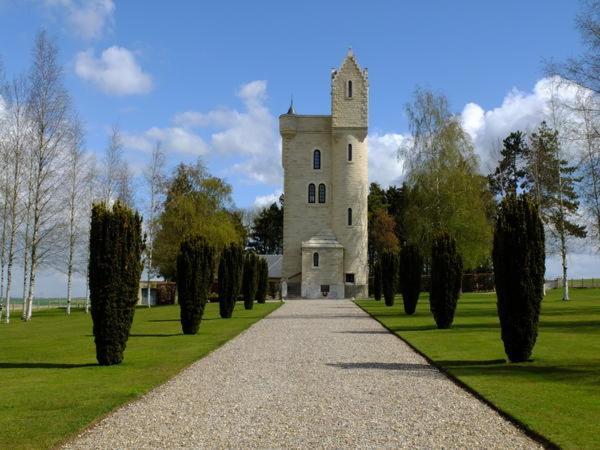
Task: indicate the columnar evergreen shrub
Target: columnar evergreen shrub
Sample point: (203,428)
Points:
(194,278)
(263,280)
(250,280)
(519,266)
(115,267)
(377,287)
(411,269)
(389,270)
(446,276)
(231,265)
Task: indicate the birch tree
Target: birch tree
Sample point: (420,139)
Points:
(16,135)
(76,178)
(155,179)
(49,108)
(587,134)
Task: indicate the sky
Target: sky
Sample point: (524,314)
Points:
(209,79)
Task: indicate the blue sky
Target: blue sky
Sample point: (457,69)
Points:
(209,79)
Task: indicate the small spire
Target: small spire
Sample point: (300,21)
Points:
(350,52)
(291,109)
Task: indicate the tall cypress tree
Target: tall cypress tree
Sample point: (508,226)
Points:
(250,280)
(377,286)
(446,278)
(519,266)
(230,278)
(411,269)
(194,277)
(115,267)
(389,271)
(263,280)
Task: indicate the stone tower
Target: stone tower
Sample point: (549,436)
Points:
(326,186)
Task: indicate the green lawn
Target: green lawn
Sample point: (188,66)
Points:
(556,395)
(51,386)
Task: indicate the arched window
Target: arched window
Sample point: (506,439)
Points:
(311,193)
(349,88)
(349,152)
(315,259)
(349,216)
(321,193)
(317,159)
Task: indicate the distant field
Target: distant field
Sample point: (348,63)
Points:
(557,394)
(52,387)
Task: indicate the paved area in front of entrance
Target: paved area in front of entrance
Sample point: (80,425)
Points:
(316,373)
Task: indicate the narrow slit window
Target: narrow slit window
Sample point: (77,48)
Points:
(349,152)
(315,259)
(317,159)
(349,88)
(311,193)
(322,193)
(349,216)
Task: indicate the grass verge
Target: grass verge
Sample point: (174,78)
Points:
(557,394)
(51,386)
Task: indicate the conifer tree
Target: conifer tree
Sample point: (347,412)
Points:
(377,287)
(510,175)
(552,185)
(249,280)
(115,268)
(263,280)
(231,266)
(519,266)
(389,271)
(446,277)
(194,277)
(411,269)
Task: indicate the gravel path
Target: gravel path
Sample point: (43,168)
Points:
(313,374)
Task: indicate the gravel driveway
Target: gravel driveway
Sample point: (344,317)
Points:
(313,374)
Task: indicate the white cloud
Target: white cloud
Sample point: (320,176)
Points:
(115,72)
(89,19)
(385,167)
(518,111)
(251,135)
(173,139)
(263,201)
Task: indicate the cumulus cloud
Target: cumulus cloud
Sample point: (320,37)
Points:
(519,111)
(251,135)
(174,139)
(89,19)
(115,71)
(385,167)
(263,201)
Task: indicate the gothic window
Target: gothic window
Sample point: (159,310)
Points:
(349,152)
(311,193)
(315,259)
(317,159)
(321,193)
(349,216)
(349,88)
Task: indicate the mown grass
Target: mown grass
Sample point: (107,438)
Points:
(557,394)
(51,386)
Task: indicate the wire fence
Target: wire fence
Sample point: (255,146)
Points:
(16,304)
(581,283)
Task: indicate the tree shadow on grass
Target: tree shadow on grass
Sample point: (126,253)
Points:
(470,363)
(156,335)
(363,332)
(40,365)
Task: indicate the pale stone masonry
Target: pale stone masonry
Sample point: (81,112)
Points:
(325,189)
